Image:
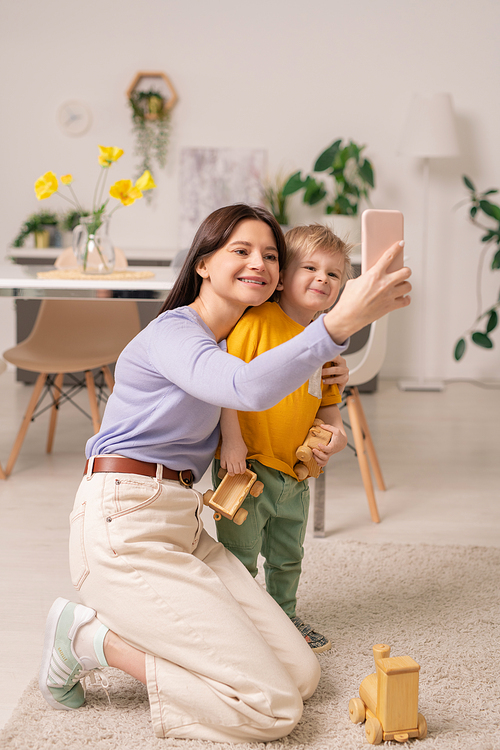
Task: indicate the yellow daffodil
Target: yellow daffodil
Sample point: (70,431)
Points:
(46,185)
(109,154)
(145,181)
(124,191)
(66,179)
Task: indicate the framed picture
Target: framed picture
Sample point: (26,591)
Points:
(214,177)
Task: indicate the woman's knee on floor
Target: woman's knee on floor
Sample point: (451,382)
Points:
(287,717)
(309,675)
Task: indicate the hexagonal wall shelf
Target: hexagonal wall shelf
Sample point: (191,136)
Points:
(149,83)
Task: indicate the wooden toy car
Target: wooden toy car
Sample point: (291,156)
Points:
(389,699)
(227,499)
(307,466)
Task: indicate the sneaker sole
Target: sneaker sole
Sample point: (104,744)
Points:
(48,647)
(48,644)
(321,649)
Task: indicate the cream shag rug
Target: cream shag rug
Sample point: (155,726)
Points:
(439,605)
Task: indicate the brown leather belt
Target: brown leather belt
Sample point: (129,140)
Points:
(124,465)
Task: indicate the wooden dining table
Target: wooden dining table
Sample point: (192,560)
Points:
(23,281)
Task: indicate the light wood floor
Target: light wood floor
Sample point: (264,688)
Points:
(438,451)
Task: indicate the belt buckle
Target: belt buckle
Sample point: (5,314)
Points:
(186,482)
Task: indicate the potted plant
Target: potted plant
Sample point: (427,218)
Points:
(276,200)
(481,209)
(353,178)
(37,224)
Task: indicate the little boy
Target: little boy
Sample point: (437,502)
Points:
(316,267)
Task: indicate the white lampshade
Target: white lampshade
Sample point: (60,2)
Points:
(430,130)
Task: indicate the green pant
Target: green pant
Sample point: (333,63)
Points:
(275,528)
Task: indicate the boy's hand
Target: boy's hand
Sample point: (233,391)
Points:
(338,374)
(233,458)
(338,442)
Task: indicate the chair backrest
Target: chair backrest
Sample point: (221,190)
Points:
(67,259)
(71,335)
(367,362)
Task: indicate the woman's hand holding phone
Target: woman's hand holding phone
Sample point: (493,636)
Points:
(370,296)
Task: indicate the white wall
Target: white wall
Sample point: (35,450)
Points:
(284,75)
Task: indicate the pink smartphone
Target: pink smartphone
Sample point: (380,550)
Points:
(379,230)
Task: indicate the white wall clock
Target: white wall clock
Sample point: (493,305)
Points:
(74,118)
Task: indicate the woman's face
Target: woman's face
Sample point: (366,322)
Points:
(246,269)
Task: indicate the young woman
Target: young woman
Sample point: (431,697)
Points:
(175,609)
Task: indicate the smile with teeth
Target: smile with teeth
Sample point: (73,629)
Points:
(259,282)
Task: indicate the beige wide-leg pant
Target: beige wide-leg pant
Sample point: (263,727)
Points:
(224,663)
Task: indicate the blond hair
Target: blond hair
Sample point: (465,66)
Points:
(304,240)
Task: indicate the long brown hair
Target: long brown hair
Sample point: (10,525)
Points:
(213,234)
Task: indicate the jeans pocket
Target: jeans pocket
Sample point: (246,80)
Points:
(78,563)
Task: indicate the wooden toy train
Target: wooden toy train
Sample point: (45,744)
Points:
(388,699)
(228,497)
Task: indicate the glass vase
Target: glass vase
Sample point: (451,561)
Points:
(92,246)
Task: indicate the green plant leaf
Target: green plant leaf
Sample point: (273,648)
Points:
(490,192)
(343,206)
(491,209)
(468,182)
(353,151)
(366,172)
(492,322)
(473,211)
(294,183)
(326,159)
(495,263)
(481,339)
(489,236)
(459,349)
(314,192)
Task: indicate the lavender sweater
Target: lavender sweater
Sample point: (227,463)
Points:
(173,378)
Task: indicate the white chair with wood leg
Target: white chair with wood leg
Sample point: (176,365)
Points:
(71,336)
(364,365)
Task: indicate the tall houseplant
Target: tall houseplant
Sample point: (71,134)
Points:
(481,209)
(352,174)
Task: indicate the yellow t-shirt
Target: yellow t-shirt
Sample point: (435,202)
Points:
(273,436)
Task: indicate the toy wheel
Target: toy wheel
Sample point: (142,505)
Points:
(221,473)
(240,516)
(304,453)
(302,471)
(257,489)
(421,727)
(207,496)
(373,730)
(357,711)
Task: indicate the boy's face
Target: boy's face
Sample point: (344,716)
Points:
(311,284)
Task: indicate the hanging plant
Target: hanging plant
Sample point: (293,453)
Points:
(151,120)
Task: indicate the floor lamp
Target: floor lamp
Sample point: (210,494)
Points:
(429,133)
